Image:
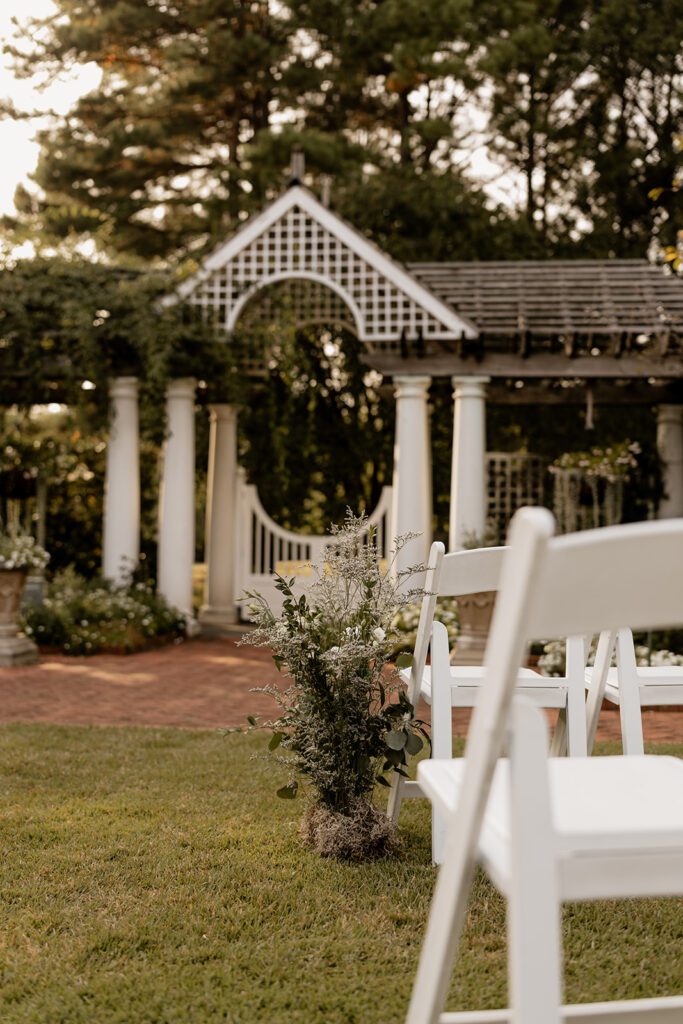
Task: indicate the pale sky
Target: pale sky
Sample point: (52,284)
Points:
(18,151)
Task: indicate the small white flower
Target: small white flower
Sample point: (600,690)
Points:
(379,634)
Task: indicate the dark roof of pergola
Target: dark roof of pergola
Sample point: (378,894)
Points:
(551,319)
(559,297)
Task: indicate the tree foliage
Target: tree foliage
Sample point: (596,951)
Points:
(200,103)
(64,322)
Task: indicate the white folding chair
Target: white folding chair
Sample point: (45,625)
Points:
(632,687)
(470,572)
(553,829)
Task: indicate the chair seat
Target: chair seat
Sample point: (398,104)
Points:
(604,808)
(465,680)
(656,685)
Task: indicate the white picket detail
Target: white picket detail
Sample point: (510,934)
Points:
(264,548)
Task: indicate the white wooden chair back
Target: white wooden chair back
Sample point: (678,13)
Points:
(470,572)
(450,575)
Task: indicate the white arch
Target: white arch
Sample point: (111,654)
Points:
(287,275)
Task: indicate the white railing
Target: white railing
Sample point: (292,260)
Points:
(265,549)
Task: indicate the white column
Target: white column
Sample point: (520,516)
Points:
(670,448)
(468,483)
(121,534)
(412,484)
(176,500)
(221,509)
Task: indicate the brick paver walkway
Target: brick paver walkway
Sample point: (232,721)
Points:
(196,684)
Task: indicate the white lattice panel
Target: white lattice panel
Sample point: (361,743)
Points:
(300,301)
(514,479)
(297,246)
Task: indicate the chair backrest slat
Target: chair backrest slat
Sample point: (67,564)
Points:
(470,572)
(609,578)
(427,608)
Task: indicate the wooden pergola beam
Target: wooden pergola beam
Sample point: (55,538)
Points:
(604,393)
(630,366)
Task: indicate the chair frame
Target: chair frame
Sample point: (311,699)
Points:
(632,687)
(627,563)
(454,575)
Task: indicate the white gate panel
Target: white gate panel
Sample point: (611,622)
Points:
(265,549)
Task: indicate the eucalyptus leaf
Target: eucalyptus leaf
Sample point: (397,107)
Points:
(396,739)
(289,791)
(414,744)
(275,740)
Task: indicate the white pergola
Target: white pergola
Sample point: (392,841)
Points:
(330,274)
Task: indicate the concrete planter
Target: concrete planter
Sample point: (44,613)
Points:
(15,648)
(474,613)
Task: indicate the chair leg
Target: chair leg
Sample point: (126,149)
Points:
(395,798)
(442,747)
(558,742)
(629,695)
(631,721)
(577,743)
(534,921)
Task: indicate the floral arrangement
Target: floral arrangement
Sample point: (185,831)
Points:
(344,721)
(20,550)
(611,463)
(589,485)
(86,616)
(405,622)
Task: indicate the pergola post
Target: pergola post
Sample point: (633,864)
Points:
(412,483)
(176,500)
(219,607)
(121,529)
(670,448)
(468,481)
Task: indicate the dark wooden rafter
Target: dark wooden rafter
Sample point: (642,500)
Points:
(574,309)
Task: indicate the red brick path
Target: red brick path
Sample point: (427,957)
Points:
(196,684)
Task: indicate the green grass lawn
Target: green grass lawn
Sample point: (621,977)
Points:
(153,876)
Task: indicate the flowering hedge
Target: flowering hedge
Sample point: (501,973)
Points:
(84,617)
(552,661)
(405,622)
(20,551)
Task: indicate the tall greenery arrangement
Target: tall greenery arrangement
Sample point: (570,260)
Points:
(343,720)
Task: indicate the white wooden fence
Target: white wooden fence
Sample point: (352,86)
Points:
(264,548)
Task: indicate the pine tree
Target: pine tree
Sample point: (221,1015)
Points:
(151,162)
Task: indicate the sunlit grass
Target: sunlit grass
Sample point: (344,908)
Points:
(152,876)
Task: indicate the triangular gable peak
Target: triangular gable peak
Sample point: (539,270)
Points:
(296,237)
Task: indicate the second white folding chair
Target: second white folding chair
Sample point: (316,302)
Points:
(554,829)
(471,572)
(633,687)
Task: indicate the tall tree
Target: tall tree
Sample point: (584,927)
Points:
(631,97)
(151,161)
(529,58)
(200,104)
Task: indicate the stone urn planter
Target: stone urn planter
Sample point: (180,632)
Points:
(15,648)
(474,614)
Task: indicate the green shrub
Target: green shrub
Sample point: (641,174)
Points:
(86,616)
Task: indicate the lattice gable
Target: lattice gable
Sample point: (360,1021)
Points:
(297,237)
